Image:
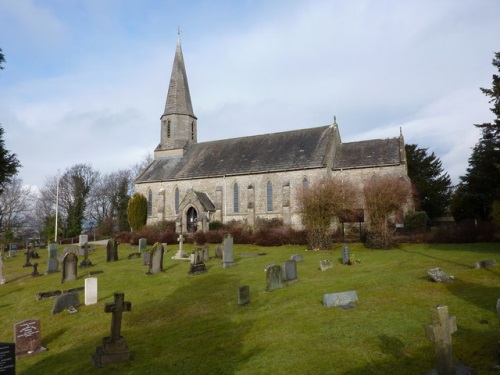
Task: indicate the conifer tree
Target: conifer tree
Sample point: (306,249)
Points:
(137,211)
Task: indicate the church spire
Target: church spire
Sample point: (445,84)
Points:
(178,122)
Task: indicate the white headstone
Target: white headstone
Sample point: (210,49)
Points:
(83,239)
(90,291)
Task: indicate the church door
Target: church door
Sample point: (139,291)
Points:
(192,220)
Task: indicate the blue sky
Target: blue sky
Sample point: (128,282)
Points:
(86,81)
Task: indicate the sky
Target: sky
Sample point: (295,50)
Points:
(85,81)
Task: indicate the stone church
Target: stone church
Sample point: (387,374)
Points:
(247,178)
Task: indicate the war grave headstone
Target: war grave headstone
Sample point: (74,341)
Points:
(343,299)
(27,337)
(438,275)
(35,270)
(325,264)
(290,272)
(112,250)
(90,291)
(69,267)
(181,254)
(228,252)
(65,301)
(439,331)
(485,263)
(114,348)
(243,295)
(274,278)
(156,262)
(346,254)
(7,358)
(297,258)
(218,252)
(86,261)
(197,265)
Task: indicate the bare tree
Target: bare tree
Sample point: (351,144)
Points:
(321,204)
(384,196)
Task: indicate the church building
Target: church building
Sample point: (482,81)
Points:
(194,183)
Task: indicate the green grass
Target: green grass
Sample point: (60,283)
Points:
(181,324)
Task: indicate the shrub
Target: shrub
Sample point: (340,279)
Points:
(416,220)
(137,211)
(215,236)
(215,225)
(274,222)
(200,238)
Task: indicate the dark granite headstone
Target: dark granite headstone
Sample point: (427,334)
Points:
(27,337)
(346,254)
(65,301)
(197,266)
(112,251)
(274,278)
(114,349)
(156,259)
(69,267)
(7,358)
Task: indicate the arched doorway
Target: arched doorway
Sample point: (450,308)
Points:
(192,220)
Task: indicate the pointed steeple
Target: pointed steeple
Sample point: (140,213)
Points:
(178,122)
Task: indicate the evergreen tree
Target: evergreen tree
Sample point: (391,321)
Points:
(479,189)
(432,187)
(137,211)
(9,164)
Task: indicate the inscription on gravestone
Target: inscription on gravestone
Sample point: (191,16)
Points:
(27,337)
(340,299)
(69,267)
(7,358)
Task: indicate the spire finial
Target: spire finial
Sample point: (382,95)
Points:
(335,120)
(179,31)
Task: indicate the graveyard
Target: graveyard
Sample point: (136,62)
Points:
(175,321)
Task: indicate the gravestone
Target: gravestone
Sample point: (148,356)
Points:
(156,262)
(297,258)
(181,254)
(206,254)
(218,252)
(95,272)
(35,270)
(42,295)
(485,263)
(12,250)
(243,295)
(83,239)
(69,267)
(325,264)
(27,337)
(146,258)
(142,245)
(438,276)
(114,349)
(65,301)
(53,249)
(228,252)
(340,299)
(197,266)
(67,250)
(274,278)
(439,331)
(112,251)
(7,358)
(52,266)
(90,291)
(85,262)
(2,280)
(346,254)
(290,271)
(28,257)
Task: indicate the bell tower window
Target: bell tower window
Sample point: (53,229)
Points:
(168,129)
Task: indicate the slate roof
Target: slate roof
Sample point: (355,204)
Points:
(205,201)
(296,149)
(375,152)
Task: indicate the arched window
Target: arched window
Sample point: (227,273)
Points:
(176,200)
(305,183)
(150,202)
(168,128)
(269,196)
(236,198)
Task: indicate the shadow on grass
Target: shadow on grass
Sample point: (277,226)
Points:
(482,296)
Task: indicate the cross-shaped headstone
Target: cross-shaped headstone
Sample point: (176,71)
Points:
(116,309)
(181,241)
(439,331)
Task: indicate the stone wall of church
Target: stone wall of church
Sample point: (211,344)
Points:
(252,193)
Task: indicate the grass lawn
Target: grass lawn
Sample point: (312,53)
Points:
(182,324)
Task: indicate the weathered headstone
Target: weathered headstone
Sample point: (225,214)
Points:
(7,358)
(156,262)
(340,299)
(69,267)
(485,263)
(218,252)
(114,349)
(206,254)
(297,258)
(2,280)
(27,337)
(438,276)
(35,270)
(65,301)
(181,254)
(52,266)
(142,245)
(274,278)
(290,271)
(28,257)
(346,254)
(86,261)
(439,331)
(83,239)
(146,258)
(325,264)
(66,250)
(228,252)
(268,266)
(112,251)
(243,295)
(197,265)
(90,291)
(53,250)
